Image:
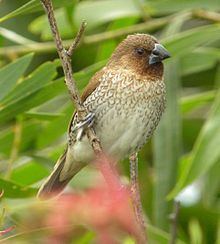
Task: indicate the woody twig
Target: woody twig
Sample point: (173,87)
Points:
(66,58)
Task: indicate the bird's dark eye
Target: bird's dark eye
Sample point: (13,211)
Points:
(140,51)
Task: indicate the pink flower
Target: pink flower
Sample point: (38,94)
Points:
(107,209)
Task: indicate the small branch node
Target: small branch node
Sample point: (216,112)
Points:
(77,39)
(65,57)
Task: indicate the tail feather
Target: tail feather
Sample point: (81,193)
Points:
(55,183)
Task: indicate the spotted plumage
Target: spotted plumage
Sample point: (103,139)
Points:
(127,97)
(127,110)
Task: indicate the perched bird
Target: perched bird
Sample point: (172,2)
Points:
(125,99)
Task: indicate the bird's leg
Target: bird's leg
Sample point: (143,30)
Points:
(135,194)
(81,126)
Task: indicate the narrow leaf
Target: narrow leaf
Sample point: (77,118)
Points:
(12,72)
(31,7)
(202,59)
(42,115)
(205,153)
(167,140)
(13,190)
(28,173)
(14,37)
(191,102)
(184,42)
(116,10)
(41,76)
(30,131)
(169,6)
(167,143)
(31,100)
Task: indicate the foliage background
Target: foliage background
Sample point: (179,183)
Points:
(35,107)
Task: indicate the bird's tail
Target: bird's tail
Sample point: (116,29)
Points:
(58,179)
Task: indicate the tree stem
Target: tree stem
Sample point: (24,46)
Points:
(174,221)
(65,57)
(136,198)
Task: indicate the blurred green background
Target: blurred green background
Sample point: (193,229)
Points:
(182,159)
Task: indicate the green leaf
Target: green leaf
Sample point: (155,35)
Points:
(44,94)
(28,173)
(188,103)
(41,26)
(28,7)
(202,59)
(167,147)
(158,236)
(54,106)
(42,115)
(191,129)
(167,140)
(36,80)
(195,232)
(30,130)
(14,37)
(13,190)
(176,24)
(12,72)
(211,194)
(202,80)
(169,6)
(31,7)
(205,152)
(184,42)
(54,130)
(31,100)
(116,10)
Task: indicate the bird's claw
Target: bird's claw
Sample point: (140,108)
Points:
(83,125)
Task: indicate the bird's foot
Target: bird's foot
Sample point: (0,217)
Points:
(83,125)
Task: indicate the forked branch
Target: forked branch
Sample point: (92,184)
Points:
(65,57)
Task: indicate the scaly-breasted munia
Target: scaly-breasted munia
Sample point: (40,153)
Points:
(126,99)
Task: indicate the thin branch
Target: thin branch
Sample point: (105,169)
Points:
(78,38)
(68,72)
(174,222)
(135,194)
(65,59)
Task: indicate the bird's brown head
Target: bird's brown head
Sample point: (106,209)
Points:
(140,53)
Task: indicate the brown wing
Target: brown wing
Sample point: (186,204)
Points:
(92,85)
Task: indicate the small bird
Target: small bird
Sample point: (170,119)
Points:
(126,99)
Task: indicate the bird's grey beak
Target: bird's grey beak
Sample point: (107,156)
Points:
(158,54)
